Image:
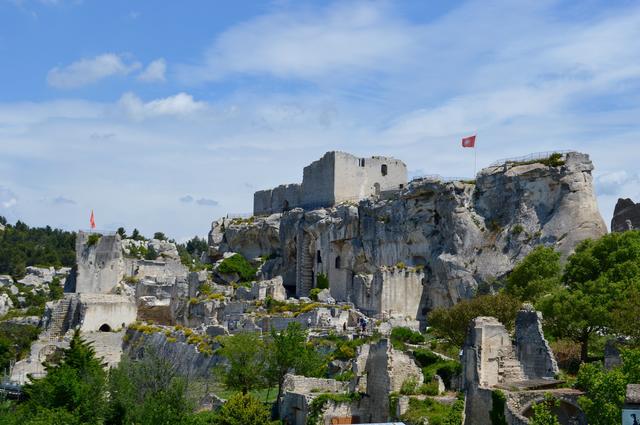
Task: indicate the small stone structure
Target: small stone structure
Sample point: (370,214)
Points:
(389,290)
(523,370)
(626,216)
(100,263)
(334,178)
(379,370)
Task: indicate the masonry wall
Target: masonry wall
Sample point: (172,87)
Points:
(318,182)
(358,178)
(100,266)
(532,348)
(278,199)
(112,310)
(392,291)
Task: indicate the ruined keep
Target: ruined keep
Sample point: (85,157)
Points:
(100,263)
(334,178)
(513,375)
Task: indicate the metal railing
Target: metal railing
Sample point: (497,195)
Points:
(528,158)
(439,178)
(231,216)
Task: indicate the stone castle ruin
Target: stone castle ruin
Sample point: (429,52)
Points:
(429,243)
(519,371)
(334,178)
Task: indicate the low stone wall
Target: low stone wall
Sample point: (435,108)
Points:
(98,310)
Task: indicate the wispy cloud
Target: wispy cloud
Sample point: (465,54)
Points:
(154,72)
(90,70)
(181,104)
(61,200)
(187,199)
(8,199)
(207,202)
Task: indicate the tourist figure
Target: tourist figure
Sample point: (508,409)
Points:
(344,327)
(308,322)
(635,419)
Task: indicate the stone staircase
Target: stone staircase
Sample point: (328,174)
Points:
(509,367)
(305,267)
(58,317)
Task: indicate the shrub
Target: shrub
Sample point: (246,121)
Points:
(409,386)
(93,239)
(425,357)
(401,265)
(314,294)
(322,281)
(239,265)
(567,355)
(517,229)
(151,253)
(345,376)
(406,335)
(430,388)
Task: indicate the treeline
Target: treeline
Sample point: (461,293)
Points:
(22,246)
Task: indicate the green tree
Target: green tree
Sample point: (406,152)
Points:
(151,253)
(542,412)
(160,236)
(536,275)
(287,351)
(600,281)
(76,385)
(451,324)
(243,410)
(135,235)
(245,362)
(148,391)
(122,232)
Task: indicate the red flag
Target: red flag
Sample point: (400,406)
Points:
(469,142)
(92,221)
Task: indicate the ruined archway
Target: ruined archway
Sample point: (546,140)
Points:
(567,412)
(105,328)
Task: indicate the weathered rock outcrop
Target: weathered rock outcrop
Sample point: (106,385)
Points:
(254,237)
(626,216)
(433,243)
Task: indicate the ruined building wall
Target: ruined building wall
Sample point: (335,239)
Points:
(278,199)
(532,348)
(336,177)
(318,182)
(100,266)
(391,291)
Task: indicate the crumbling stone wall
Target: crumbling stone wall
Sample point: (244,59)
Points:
(100,266)
(390,291)
(532,348)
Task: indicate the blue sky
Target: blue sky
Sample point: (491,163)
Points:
(166,115)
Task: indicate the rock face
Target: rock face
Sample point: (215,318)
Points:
(626,216)
(433,243)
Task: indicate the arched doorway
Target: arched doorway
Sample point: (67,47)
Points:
(105,328)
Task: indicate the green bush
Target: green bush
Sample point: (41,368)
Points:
(93,239)
(430,388)
(425,357)
(313,294)
(406,335)
(322,281)
(238,264)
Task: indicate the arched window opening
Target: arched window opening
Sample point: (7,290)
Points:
(318,257)
(338,262)
(362,162)
(383,169)
(105,328)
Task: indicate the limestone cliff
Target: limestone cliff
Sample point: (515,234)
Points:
(432,243)
(626,216)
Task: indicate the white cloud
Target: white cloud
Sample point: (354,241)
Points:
(181,104)
(154,72)
(8,199)
(205,202)
(308,44)
(89,70)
